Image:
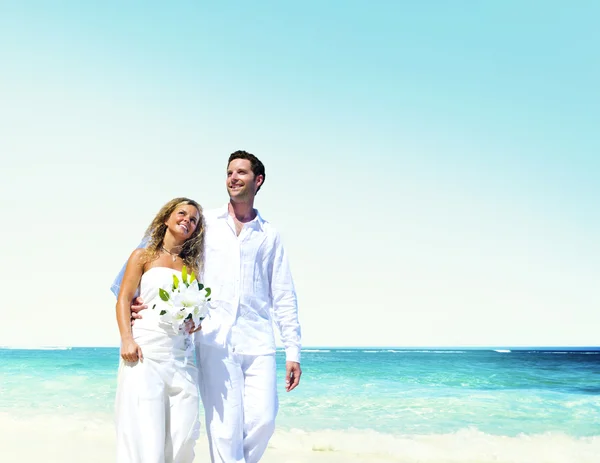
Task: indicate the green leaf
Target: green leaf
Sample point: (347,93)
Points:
(200,286)
(175,282)
(163,294)
(184,275)
(192,277)
(162,312)
(208,291)
(154,307)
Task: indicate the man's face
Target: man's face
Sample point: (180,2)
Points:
(241,182)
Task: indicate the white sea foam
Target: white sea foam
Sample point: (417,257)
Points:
(431,351)
(448,351)
(572,352)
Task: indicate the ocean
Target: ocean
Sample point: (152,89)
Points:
(463,405)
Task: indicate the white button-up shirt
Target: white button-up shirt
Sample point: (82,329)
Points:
(251,286)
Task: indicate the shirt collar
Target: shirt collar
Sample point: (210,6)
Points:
(223,211)
(257,222)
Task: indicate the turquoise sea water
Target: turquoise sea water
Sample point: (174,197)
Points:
(390,391)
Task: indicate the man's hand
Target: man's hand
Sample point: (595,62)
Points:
(137,305)
(292,375)
(190,327)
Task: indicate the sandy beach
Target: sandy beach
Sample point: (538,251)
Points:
(62,439)
(72,438)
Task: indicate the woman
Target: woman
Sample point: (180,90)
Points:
(157,393)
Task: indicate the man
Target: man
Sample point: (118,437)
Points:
(247,269)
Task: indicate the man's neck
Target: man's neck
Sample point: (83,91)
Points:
(242,211)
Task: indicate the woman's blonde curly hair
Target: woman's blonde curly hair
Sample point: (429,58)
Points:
(192,252)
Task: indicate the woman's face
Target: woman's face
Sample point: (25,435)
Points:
(183,221)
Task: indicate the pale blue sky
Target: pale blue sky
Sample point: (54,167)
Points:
(433,168)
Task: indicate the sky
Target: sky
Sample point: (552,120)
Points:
(433,167)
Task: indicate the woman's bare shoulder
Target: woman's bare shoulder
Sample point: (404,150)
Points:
(137,257)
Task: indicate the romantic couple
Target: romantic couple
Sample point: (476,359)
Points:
(239,256)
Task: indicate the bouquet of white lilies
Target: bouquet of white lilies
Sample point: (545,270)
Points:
(185,300)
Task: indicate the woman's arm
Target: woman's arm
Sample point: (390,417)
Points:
(130,351)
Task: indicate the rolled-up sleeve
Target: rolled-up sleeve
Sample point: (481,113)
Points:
(285,305)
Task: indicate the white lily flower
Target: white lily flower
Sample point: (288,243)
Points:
(188,296)
(176,304)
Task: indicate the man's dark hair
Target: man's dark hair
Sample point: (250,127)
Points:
(256,165)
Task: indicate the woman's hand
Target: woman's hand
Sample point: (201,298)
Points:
(130,351)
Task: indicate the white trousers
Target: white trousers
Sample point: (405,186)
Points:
(157,408)
(239,394)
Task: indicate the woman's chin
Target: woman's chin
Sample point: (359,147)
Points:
(180,235)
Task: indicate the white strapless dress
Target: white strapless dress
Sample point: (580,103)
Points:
(157,404)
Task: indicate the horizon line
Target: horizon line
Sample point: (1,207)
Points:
(412,347)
